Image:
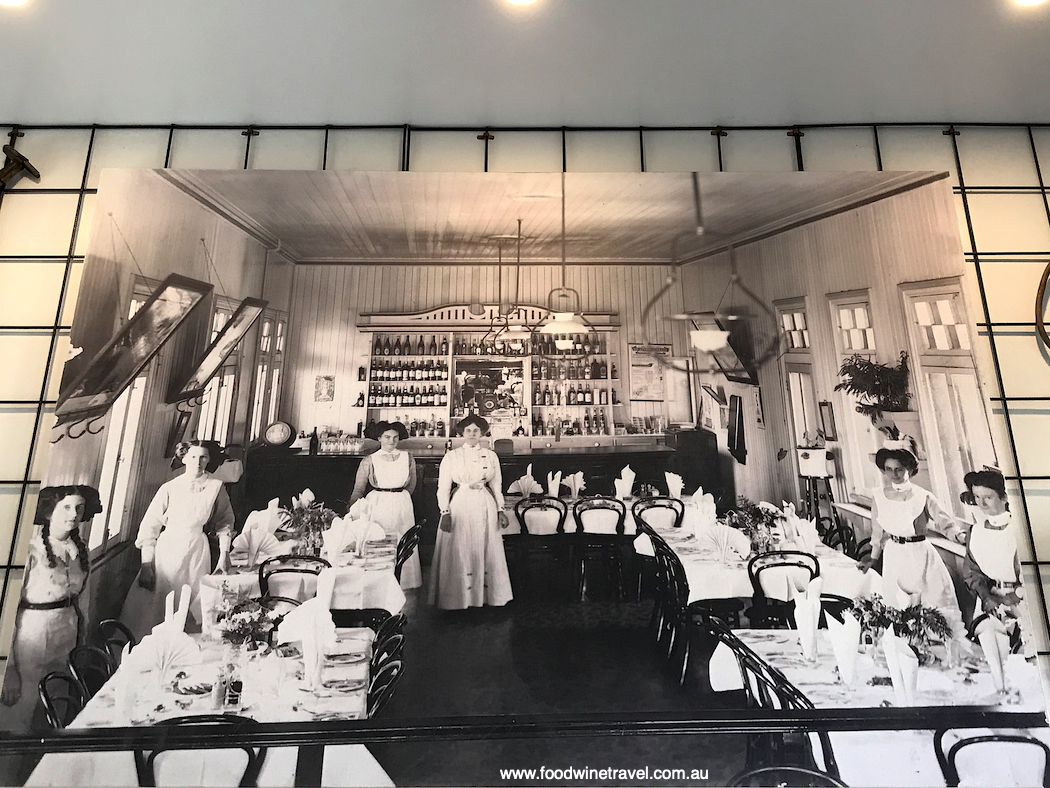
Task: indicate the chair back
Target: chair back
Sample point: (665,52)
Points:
(383,651)
(382,686)
(662,510)
(834,605)
(291,576)
(145,764)
(113,636)
(600,514)
(784,775)
(999,755)
(406,545)
(91,667)
(671,578)
(542,504)
(840,536)
(280,606)
(774,575)
(392,625)
(62,697)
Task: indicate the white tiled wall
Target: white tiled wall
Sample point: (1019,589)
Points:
(1007,211)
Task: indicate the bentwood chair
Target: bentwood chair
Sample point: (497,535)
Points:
(656,511)
(833,605)
(406,545)
(528,544)
(392,625)
(146,764)
(62,697)
(91,667)
(772,574)
(113,636)
(292,576)
(603,540)
(371,617)
(382,686)
(765,687)
(950,769)
(383,651)
(840,536)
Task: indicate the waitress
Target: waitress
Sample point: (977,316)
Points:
(470,566)
(391,473)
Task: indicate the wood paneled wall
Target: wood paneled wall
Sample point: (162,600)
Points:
(328,300)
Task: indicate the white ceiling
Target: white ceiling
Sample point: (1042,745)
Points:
(345,216)
(477,62)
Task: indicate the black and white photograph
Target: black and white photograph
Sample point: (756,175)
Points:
(511,497)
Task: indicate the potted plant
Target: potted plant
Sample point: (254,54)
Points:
(879,388)
(813,456)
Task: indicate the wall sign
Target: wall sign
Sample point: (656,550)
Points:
(646,374)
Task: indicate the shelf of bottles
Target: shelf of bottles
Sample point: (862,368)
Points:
(408,381)
(573,385)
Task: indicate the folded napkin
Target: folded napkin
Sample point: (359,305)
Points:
(707,513)
(627,475)
(575,483)
(258,543)
(995,643)
(674,484)
(726,541)
(311,625)
(845,639)
(807,615)
(269,519)
(167,647)
(175,618)
(336,538)
(806,536)
(526,485)
(358,532)
(553,483)
(623,488)
(361,510)
(904,667)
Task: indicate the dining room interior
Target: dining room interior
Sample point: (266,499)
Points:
(695,389)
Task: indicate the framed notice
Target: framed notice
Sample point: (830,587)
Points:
(646,373)
(324,388)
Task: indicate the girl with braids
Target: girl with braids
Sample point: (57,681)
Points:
(47,625)
(173,539)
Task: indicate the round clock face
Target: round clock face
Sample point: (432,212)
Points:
(278,434)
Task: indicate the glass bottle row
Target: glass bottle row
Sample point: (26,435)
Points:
(572,369)
(425,345)
(564,424)
(431,369)
(560,394)
(407,396)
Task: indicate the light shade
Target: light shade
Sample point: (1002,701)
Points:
(708,339)
(564,323)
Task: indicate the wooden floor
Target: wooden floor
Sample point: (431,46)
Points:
(543,654)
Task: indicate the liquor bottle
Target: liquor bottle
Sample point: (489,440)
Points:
(588,370)
(547,398)
(615,398)
(360,400)
(589,396)
(432,348)
(386,346)
(397,347)
(571,397)
(520,431)
(587,421)
(421,349)
(432,426)
(615,375)
(557,395)
(444,346)
(441,429)
(603,370)
(537,397)
(360,429)
(571,370)
(377,346)
(562,372)
(315,442)
(603,396)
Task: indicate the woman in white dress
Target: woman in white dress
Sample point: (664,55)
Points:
(992,569)
(903,511)
(173,541)
(47,624)
(470,567)
(391,474)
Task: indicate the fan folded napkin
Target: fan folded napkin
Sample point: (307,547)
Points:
(995,643)
(361,510)
(845,638)
(575,483)
(269,519)
(526,485)
(167,647)
(674,484)
(707,513)
(258,543)
(311,625)
(306,497)
(806,536)
(807,615)
(725,540)
(627,475)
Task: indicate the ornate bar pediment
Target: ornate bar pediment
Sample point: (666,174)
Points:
(459,317)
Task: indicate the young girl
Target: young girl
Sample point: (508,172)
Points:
(47,626)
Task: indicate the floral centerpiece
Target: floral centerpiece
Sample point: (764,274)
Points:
(242,620)
(921,627)
(758,521)
(308,519)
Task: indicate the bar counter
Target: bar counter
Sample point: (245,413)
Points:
(279,473)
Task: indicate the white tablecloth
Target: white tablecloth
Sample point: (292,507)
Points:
(272,693)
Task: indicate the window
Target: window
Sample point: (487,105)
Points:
(216,413)
(268,368)
(118,460)
(802,400)
(955,428)
(856,334)
(795,329)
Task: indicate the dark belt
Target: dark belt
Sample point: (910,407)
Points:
(908,539)
(389,489)
(56,605)
(1006,584)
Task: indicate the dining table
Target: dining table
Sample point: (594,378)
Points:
(902,757)
(273,689)
(363,580)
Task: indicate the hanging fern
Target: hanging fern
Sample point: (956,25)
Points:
(878,387)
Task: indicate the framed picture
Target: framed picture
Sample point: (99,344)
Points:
(827,421)
(130,349)
(236,327)
(178,431)
(646,373)
(734,360)
(324,388)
